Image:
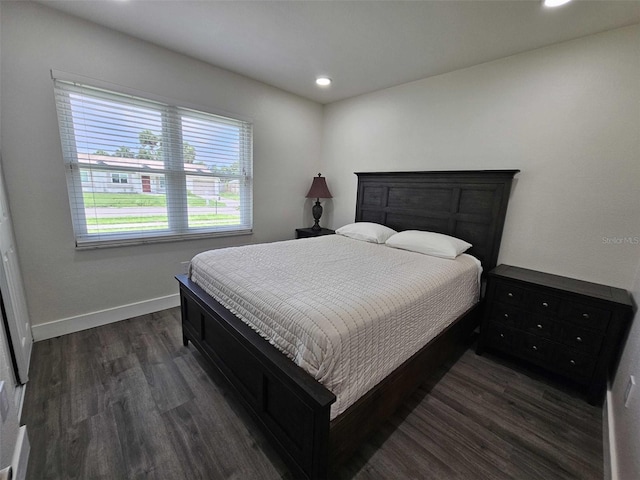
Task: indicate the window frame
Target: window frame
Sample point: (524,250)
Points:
(174,173)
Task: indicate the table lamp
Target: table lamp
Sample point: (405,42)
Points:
(318,190)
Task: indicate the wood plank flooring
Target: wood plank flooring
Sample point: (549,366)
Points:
(128,401)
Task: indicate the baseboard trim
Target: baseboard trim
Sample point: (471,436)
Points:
(78,323)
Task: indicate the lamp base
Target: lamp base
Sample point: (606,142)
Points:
(317,213)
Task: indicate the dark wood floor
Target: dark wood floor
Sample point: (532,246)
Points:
(128,401)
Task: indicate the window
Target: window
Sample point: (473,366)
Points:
(139,170)
(118,177)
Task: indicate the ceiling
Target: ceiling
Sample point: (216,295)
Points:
(362,45)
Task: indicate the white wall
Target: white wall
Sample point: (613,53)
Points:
(62,282)
(566,115)
(626,420)
(9,429)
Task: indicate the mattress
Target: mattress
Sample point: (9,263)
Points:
(348,312)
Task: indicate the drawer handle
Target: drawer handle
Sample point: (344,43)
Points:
(585,316)
(534,348)
(509,294)
(572,363)
(539,326)
(545,304)
(579,339)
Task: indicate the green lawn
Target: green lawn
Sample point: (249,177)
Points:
(122,200)
(159,221)
(231,196)
(155,222)
(223,219)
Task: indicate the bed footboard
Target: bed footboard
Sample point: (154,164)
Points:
(291,408)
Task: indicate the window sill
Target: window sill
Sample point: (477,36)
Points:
(125,242)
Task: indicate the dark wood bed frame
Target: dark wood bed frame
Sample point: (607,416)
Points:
(292,408)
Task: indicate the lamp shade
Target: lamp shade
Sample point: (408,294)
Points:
(319,188)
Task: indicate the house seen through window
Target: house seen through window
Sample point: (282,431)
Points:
(140,170)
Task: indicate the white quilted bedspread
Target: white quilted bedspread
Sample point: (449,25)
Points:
(348,312)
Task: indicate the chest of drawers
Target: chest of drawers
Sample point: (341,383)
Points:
(569,327)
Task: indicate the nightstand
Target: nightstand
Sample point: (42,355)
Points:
(308,232)
(566,326)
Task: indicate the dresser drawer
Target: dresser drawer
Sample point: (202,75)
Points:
(585,315)
(543,303)
(581,339)
(538,350)
(508,293)
(503,338)
(546,353)
(541,326)
(507,315)
(576,365)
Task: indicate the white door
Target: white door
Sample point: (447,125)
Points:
(12,290)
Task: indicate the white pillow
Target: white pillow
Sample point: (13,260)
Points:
(367,231)
(429,243)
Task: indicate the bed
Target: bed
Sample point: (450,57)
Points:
(296,412)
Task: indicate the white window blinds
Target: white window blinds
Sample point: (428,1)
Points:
(141,171)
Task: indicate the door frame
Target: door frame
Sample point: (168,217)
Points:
(13,294)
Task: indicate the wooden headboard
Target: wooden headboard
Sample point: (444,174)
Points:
(467,204)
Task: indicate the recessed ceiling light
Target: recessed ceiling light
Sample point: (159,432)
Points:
(323,81)
(555,3)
